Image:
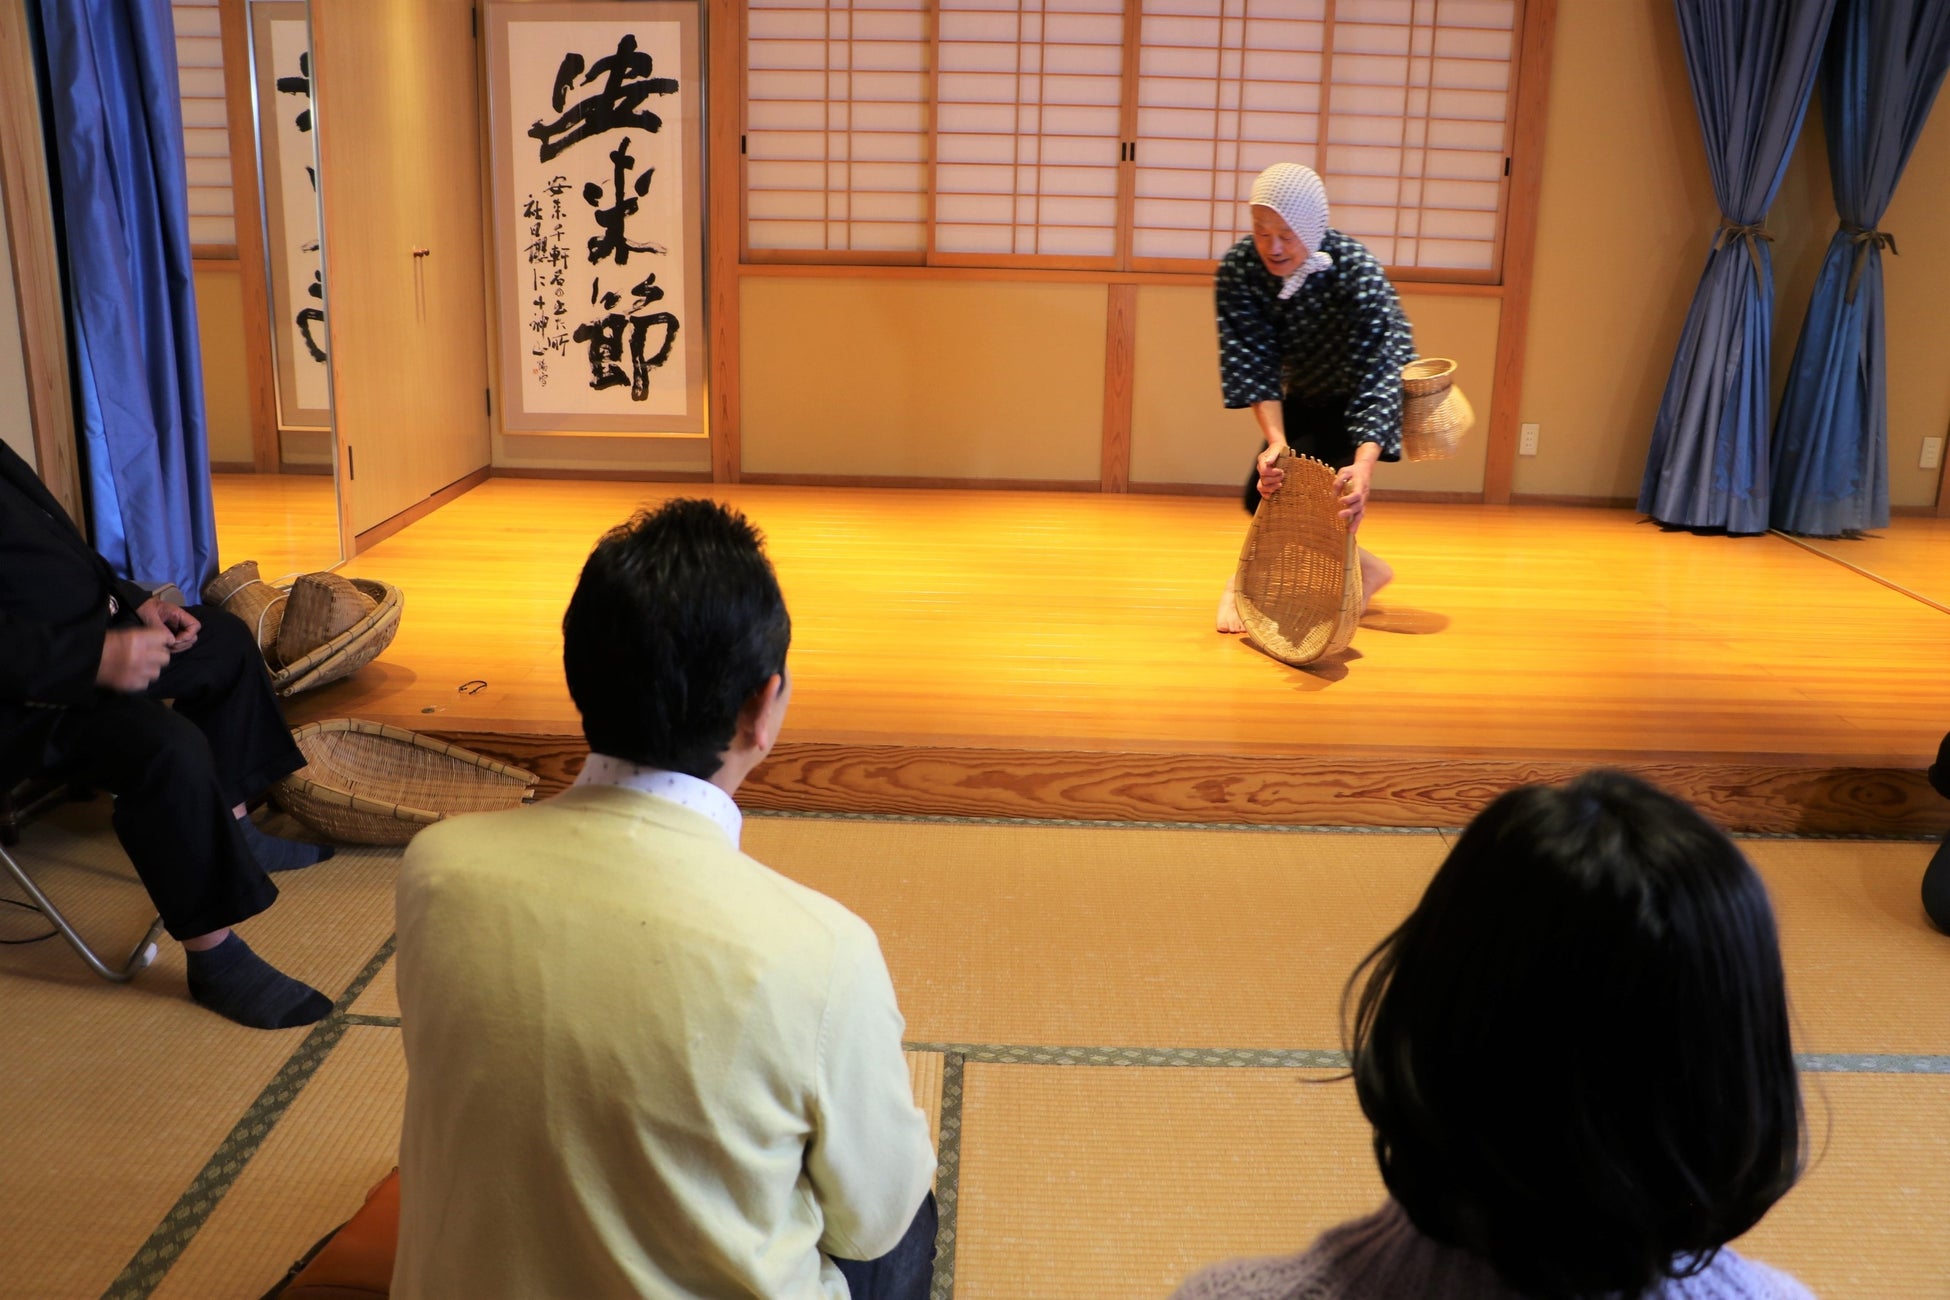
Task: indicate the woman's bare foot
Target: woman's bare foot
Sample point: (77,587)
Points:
(1376,573)
(1229,620)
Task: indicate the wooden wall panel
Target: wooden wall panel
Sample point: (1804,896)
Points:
(400,169)
(29,213)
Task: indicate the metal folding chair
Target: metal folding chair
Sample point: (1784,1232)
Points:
(139,957)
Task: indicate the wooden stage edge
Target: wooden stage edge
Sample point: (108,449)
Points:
(1361,790)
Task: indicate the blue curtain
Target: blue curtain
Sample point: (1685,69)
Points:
(1886,60)
(117,149)
(1752,65)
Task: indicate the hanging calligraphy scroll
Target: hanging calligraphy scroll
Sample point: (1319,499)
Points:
(597,113)
(281,58)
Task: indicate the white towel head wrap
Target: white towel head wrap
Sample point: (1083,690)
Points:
(1296,193)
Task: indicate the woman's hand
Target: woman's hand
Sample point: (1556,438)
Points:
(1270,475)
(1353,484)
(179,623)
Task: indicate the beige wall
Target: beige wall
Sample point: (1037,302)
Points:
(1916,288)
(620,455)
(922,378)
(1626,216)
(226,387)
(16,423)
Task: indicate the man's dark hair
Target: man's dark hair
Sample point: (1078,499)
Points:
(676,620)
(1575,1051)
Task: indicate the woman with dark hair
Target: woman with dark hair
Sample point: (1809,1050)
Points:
(1575,1055)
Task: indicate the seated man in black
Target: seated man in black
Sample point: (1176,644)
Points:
(85,663)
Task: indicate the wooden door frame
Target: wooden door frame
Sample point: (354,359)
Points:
(28,202)
(260,371)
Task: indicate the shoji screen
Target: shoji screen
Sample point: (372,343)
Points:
(1419,102)
(1225,89)
(1045,132)
(1029,105)
(1402,106)
(206,133)
(836,127)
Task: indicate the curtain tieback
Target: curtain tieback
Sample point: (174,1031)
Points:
(1732,232)
(1864,238)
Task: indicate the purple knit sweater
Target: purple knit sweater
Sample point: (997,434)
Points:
(1384,1257)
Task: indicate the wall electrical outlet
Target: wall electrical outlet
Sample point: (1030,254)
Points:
(1932,454)
(1527,440)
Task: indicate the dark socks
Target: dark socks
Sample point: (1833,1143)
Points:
(274,854)
(239,985)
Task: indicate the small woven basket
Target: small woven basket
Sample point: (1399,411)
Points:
(1298,587)
(238,590)
(367,783)
(351,649)
(321,606)
(1435,414)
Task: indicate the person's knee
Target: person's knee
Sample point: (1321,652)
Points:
(165,750)
(224,635)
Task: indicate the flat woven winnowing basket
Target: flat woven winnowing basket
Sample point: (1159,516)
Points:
(368,783)
(1298,587)
(1435,414)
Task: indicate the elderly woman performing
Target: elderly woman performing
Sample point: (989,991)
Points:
(1312,337)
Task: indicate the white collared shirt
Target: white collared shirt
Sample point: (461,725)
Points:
(680,788)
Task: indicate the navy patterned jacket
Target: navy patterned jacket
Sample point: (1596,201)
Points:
(1342,334)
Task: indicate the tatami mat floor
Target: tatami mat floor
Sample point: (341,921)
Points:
(1119,1034)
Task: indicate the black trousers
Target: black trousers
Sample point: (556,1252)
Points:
(1316,428)
(904,1273)
(177,773)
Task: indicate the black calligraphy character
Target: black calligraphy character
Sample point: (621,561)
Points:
(313,315)
(613,242)
(627,83)
(301,85)
(605,337)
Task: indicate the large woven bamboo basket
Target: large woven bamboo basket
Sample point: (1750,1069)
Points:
(1298,587)
(238,590)
(367,783)
(1435,414)
(351,649)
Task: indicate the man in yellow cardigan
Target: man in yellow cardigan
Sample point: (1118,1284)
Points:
(641,1063)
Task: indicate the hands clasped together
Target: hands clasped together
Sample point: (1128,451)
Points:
(133,657)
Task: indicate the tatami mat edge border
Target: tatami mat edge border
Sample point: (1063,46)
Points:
(1264,1058)
(152,1261)
(947,1177)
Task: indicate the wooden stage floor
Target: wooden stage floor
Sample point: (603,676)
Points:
(1051,655)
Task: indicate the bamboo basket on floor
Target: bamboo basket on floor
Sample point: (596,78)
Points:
(368,783)
(321,606)
(1298,587)
(338,625)
(1435,414)
(351,649)
(238,590)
